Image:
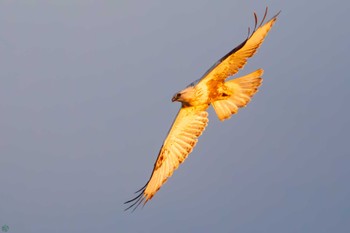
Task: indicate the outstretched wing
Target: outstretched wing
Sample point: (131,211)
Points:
(237,58)
(182,138)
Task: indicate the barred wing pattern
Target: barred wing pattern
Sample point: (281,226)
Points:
(182,138)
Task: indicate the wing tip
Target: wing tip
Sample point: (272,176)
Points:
(251,32)
(135,202)
(274,18)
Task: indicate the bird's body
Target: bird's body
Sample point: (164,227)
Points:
(212,89)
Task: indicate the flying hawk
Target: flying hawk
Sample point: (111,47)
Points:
(225,96)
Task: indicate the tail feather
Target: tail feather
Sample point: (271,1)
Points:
(242,89)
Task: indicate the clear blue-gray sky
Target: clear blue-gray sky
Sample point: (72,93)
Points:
(85,101)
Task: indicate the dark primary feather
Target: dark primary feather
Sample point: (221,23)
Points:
(137,200)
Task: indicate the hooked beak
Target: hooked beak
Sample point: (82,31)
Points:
(176,97)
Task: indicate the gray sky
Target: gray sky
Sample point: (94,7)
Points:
(85,89)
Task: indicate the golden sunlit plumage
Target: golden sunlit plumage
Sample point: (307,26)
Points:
(192,118)
(188,126)
(241,90)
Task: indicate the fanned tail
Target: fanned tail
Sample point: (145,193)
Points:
(242,89)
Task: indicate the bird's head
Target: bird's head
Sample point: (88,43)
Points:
(185,96)
(176,97)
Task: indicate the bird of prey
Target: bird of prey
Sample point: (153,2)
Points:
(211,89)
